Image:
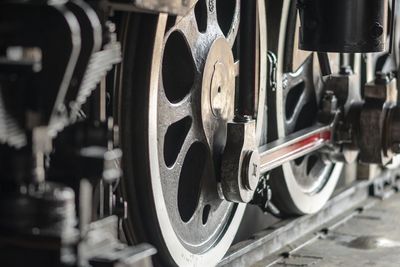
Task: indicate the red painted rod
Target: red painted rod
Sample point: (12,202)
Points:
(294,146)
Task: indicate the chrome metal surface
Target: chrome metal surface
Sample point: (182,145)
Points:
(240,162)
(174,142)
(218,90)
(191,137)
(294,146)
(195,224)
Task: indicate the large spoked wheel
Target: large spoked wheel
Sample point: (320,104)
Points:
(304,185)
(176,95)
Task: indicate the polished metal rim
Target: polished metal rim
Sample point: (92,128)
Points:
(191,98)
(191,121)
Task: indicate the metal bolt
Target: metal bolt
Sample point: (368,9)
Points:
(251,170)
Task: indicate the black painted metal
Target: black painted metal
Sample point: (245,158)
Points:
(324,64)
(346,26)
(38,224)
(247,58)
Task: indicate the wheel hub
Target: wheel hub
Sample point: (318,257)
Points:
(218,90)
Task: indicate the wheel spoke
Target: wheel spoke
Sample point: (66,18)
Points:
(298,93)
(188,27)
(171,113)
(233,31)
(205,211)
(303,100)
(172,173)
(191,138)
(211,11)
(304,74)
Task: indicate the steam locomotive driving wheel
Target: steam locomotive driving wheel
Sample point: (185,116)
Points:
(176,96)
(303,185)
(163,119)
(177,92)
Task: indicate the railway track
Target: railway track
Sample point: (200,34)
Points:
(280,241)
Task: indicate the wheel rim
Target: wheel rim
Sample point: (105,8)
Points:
(191,98)
(308,182)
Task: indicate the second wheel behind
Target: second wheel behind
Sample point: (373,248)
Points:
(303,185)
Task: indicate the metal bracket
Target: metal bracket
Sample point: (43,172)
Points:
(240,162)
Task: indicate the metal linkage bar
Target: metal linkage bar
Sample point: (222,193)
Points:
(243,163)
(294,146)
